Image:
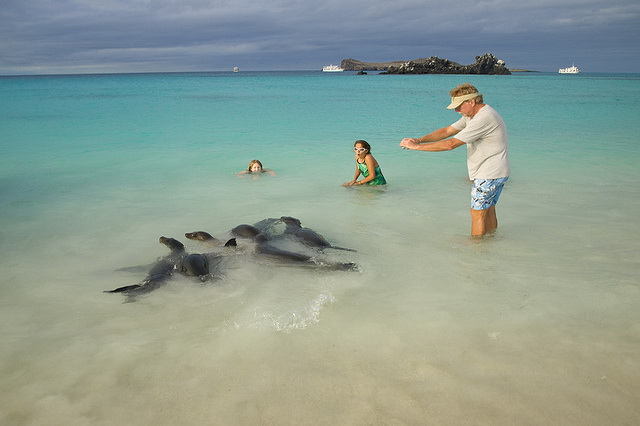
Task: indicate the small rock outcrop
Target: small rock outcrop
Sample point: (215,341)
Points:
(355,65)
(485,64)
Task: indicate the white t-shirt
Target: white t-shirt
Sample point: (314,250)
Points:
(486,138)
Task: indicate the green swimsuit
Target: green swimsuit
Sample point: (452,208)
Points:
(378,180)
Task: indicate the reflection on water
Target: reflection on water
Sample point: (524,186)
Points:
(364,195)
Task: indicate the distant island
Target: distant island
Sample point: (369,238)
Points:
(484,64)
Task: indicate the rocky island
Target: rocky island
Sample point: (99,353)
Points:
(485,64)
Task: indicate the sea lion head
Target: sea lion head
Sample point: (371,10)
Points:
(172,244)
(199,235)
(291,221)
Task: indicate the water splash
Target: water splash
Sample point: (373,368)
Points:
(297,318)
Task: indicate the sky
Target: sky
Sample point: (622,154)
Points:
(123,36)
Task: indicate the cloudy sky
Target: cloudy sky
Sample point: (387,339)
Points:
(95,36)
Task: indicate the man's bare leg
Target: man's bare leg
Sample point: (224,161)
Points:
(478,223)
(491,221)
(483,222)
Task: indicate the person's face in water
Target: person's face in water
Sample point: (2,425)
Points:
(255,167)
(360,150)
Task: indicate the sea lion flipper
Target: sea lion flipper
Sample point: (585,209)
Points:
(124,289)
(342,248)
(135,269)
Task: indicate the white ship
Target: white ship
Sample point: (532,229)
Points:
(236,69)
(569,70)
(332,68)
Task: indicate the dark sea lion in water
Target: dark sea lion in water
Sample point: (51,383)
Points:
(191,265)
(268,232)
(246,231)
(159,273)
(157,276)
(198,265)
(200,236)
(178,251)
(172,244)
(205,236)
(307,236)
(265,224)
(262,247)
(194,265)
(267,249)
(291,221)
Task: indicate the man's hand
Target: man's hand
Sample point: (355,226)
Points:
(409,143)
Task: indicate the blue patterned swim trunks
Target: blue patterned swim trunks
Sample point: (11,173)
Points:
(485,192)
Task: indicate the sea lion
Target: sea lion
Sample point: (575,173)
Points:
(159,273)
(246,231)
(265,248)
(156,277)
(194,265)
(265,224)
(307,236)
(172,244)
(191,265)
(200,236)
(205,236)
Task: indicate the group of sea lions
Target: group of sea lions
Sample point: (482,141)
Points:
(266,236)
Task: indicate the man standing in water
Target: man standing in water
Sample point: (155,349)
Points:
(483,131)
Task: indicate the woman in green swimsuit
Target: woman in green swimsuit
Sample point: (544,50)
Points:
(367,166)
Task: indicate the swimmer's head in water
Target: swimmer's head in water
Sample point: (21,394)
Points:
(255,166)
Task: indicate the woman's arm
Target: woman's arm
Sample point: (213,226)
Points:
(354,178)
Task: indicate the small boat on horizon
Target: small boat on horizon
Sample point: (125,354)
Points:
(570,70)
(332,68)
(236,69)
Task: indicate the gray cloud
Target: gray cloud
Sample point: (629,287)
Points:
(43,36)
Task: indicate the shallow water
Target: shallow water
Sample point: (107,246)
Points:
(537,325)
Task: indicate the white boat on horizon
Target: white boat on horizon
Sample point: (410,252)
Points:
(569,70)
(332,68)
(236,69)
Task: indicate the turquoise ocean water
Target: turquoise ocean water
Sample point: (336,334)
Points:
(538,325)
